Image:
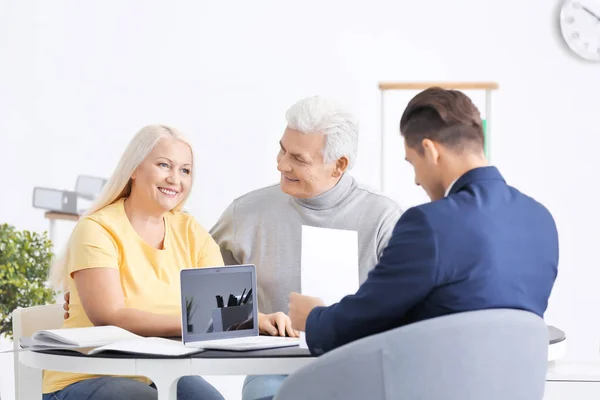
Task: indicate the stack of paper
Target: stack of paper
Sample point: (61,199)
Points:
(329,265)
(99,339)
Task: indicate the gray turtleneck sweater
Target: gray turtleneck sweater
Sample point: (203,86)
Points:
(264,228)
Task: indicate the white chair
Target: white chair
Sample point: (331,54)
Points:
(26,321)
(494,354)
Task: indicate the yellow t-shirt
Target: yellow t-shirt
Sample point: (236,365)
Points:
(149,276)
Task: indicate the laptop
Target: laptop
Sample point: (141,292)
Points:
(220,310)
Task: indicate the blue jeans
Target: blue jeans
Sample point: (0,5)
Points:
(261,386)
(114,388)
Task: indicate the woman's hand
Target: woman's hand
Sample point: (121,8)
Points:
(276,324)
(67,298)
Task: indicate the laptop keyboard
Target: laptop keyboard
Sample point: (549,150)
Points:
(254,340)
(249,342)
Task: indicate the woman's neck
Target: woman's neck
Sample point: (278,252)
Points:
(150,226)
(140,213)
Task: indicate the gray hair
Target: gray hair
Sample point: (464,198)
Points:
(323,116)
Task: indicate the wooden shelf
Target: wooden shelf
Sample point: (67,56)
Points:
(444,85)
(51,215)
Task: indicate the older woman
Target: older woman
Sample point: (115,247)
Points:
(263,227)
(123,259)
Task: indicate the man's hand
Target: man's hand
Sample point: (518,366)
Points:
(300,306)
(276,324)
(66,305)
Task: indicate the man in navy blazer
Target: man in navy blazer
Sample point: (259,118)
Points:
(479,244)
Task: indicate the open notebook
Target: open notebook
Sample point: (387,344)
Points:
(98,339)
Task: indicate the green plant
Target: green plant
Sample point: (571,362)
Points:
(189,312)
(189,307)
(25,259)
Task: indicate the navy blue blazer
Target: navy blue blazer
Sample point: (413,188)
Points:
(485,245)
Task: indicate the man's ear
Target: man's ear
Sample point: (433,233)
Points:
(430,149)
(341,165)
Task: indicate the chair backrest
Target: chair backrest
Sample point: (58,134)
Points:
(26,321)
(490,354)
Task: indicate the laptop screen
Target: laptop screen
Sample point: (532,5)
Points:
(218,303)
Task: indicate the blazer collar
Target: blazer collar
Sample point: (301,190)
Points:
(476,175)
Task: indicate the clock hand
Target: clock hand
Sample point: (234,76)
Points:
(591,13)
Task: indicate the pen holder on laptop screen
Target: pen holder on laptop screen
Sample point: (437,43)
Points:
(232,318)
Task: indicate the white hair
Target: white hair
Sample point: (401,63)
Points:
(119,184)
(323,116)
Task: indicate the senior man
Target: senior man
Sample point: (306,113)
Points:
(263,227)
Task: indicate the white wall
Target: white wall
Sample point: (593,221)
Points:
(77,79)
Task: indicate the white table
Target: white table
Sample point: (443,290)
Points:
(557,346)
(165,372)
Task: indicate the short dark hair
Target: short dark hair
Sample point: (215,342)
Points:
(445,116)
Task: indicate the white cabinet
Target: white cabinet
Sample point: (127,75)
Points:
(562,390)
(573,381)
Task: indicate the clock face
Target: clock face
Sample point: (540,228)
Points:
(580,25)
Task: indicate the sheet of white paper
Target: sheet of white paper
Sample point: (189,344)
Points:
(329,265)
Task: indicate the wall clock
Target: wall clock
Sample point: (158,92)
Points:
(580,27)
